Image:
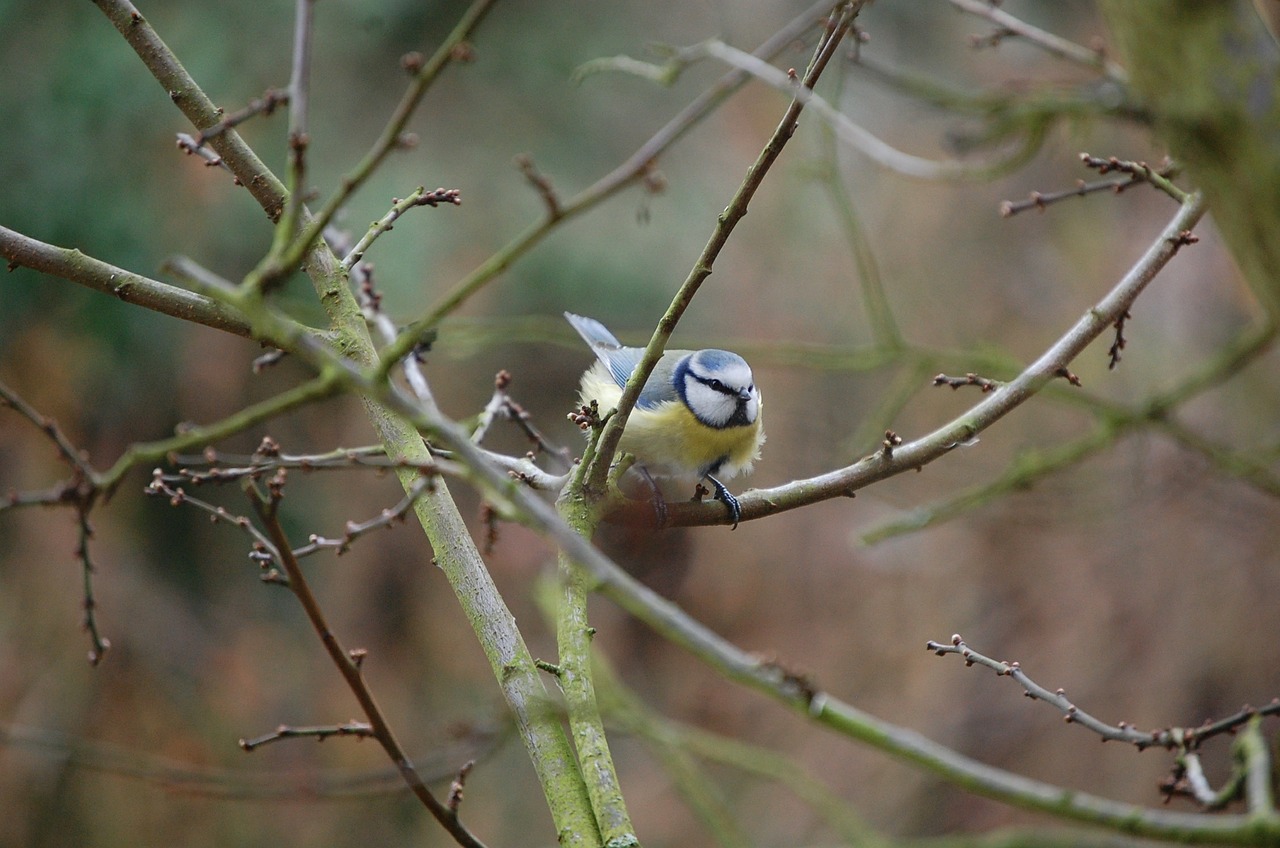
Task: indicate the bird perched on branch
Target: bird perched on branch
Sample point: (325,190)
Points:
(698,415)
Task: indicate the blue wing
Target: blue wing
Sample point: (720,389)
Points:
(621,361)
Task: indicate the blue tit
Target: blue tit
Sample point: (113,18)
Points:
(698,415)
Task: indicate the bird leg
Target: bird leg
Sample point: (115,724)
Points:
(656,498)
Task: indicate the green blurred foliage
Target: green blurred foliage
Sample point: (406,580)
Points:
(1139,581)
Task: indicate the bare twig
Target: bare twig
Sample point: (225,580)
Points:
(299,124)
(418,197)
(1134,174)
(541,184)
(224,467)
(637,168)
(969,379)
(502,406)
(1041,200)
(455,788)
(71,454)
(350,670)
(1160,178)
(1008,25)
(358,729)
(287,247)
(98,644)
(265,105)
(79,492)
(315,543)
(841,20)
(178,496)
(354,530)
(1113,352)
(1188,776)
(1171,738)
(860,138)
(292,253)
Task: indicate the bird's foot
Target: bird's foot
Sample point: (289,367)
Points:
(724,496)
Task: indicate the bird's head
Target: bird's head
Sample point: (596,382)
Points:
(718,388)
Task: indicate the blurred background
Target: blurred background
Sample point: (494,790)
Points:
(1142,579)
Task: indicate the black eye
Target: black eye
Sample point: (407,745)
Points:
(717,385)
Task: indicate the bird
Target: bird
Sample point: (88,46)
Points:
(697,417)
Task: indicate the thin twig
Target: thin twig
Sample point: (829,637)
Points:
(1160,178)
(350,670)
(387,141)
(264,553)
(863,140)
(1041,200)
(358,729)
(1170,738)
(225,468)
(595,472)
(98,644)
(234,784)
(502,406)
(638,167)
(418,197)
(1113,352)
(299,121)
(74,456)
(1047,41)
(354,530)
(542,185)
(265,105)
(285,255)
(81,493)
(970,379)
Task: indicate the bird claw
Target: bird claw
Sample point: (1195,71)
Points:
(724,496)
(659,504)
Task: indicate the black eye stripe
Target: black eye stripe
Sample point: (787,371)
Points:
(714,384)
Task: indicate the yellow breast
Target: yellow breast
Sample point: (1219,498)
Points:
(669,441)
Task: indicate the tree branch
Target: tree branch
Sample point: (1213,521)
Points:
(72,265)
(915,454)
(635,168)
(350,670)
(842,19)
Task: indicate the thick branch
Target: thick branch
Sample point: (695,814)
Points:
(70,264)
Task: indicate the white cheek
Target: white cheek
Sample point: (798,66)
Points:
(708,404)
(700,396)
